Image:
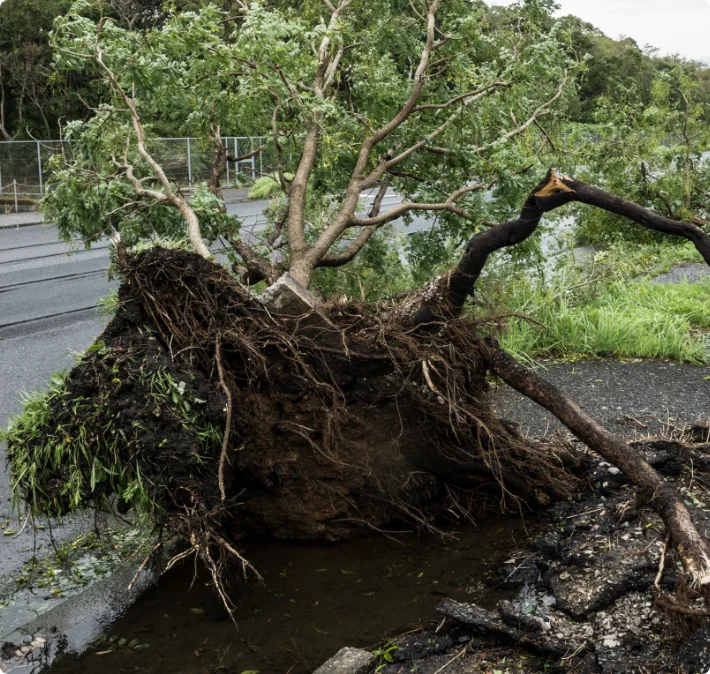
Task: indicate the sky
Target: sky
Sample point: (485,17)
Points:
(674,26)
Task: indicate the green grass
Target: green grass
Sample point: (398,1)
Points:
(266,186)
(620,319)
(107,306)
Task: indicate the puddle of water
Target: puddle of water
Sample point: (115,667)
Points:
(316,599)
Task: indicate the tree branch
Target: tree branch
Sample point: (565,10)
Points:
(450,291)
(407,206)
(193,224)
(587,194)
(302,267)
(340,259)
(259,268)
(462,97)
(542,110)
(279,151)
(425,143)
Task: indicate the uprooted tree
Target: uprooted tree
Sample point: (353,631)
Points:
(218,410)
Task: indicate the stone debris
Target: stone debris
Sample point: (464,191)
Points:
(349,661)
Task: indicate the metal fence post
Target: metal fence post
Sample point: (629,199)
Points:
(17,157)
(14,186)
(189,163)
(39,168)
(261,163)
(226,163)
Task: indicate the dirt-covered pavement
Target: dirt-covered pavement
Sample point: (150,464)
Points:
(597,586)
(592,594)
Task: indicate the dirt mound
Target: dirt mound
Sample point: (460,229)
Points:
(200,408)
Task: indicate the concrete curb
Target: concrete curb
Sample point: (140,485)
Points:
(74,624)
(23,224)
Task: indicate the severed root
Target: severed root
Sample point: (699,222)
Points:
(668,603)
(692,549)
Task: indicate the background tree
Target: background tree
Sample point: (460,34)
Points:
(653,152)
(29,102)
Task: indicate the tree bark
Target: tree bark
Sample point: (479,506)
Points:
(587,194)
(447,295)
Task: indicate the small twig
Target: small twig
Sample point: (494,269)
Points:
(143,565)
(661,563)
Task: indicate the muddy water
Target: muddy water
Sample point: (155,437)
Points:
(316,598)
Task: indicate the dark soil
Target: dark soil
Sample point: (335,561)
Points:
(587,596)
(328,438)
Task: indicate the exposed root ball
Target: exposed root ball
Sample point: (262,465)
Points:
(324,439)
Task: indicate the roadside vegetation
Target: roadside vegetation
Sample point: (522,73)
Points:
(612,320)
(607,307)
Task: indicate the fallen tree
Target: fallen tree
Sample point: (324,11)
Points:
(336,417)
(219,412)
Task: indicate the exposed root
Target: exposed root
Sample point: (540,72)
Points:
(228,422)
(260,427)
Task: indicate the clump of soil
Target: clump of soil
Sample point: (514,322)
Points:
(220,419)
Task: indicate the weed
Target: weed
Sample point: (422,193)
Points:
(107,306)
(595,313)
(60,434)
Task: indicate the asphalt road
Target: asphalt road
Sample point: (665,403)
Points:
(47,301)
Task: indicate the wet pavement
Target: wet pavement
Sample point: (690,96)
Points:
(632,398)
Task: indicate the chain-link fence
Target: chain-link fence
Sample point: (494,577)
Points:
(25,165)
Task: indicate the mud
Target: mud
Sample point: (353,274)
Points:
(590,588)
(321,442)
